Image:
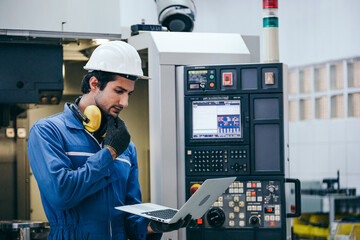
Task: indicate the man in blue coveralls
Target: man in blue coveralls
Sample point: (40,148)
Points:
(83,159)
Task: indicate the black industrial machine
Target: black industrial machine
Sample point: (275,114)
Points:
(234,126)
(31,71)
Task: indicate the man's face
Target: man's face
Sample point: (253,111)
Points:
(114,97)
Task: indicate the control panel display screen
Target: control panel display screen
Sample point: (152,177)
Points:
(216,119)
(198,76)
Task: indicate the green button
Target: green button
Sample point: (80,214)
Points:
(212,76)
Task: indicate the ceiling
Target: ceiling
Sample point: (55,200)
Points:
(76,46)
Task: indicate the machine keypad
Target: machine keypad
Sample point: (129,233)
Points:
(218,161)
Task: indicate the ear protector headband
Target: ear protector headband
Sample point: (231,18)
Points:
(91,118)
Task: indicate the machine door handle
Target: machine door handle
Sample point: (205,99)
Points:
(297,197)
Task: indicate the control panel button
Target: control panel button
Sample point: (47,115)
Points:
(231,223)
(194,188)
(269,210)
(194,86)
(227,79)
(269,78)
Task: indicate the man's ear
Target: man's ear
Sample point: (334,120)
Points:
(94,84)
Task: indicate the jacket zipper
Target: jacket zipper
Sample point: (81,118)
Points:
(100,145)
(109,211)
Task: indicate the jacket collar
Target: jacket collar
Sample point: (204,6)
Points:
(71,120)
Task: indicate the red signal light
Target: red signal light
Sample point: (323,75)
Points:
(270,3)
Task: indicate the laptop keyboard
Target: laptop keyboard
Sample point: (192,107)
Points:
(164,214)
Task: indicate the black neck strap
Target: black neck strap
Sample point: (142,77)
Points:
(75,109)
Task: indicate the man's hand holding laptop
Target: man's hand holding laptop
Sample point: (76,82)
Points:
(160,227)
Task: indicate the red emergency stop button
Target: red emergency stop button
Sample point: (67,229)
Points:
(272,224)
(194,188)
(212,85)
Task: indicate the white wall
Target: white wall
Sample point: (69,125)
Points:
(317,31)
(310,31)
(134,11)
(319,148)
(93,16)
(80,16)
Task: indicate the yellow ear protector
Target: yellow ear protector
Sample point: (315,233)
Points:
(91,118)
(92,113)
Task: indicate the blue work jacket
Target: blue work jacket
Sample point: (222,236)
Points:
(80,183)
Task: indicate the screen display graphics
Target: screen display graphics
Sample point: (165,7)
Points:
(216,119)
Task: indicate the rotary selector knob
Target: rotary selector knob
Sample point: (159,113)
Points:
(254,220)
(271,188)
(215,217)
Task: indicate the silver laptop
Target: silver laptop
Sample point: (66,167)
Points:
(196,205)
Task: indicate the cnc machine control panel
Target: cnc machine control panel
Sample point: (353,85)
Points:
(234,126)
(256,203)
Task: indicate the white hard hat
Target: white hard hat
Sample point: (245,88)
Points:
(116,57)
